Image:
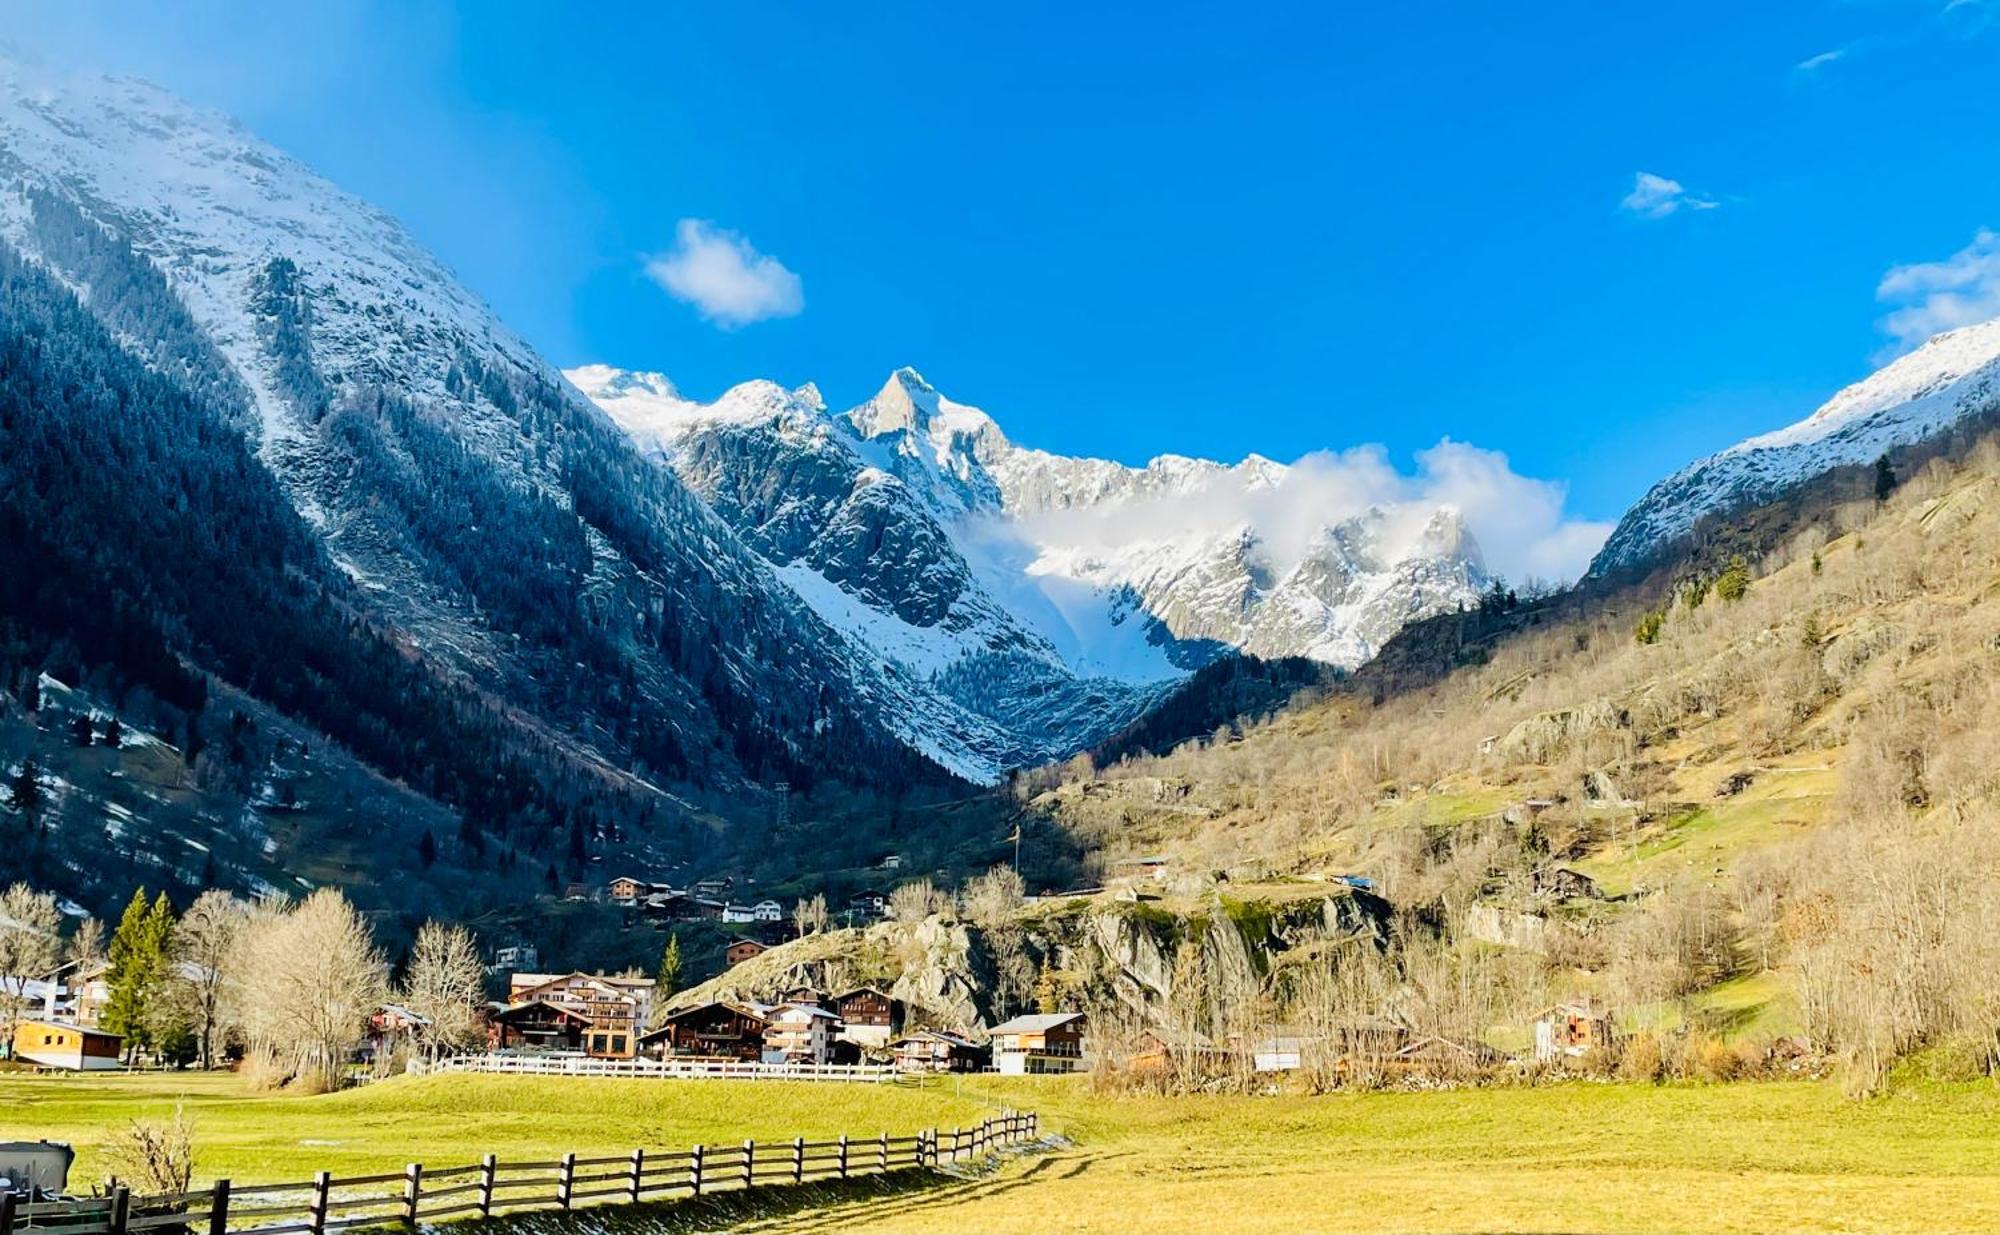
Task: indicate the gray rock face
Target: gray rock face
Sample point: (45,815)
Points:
(1110,955)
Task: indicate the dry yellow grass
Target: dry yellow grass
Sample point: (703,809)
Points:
(1777,1157)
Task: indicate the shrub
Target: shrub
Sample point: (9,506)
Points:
(1712,1059)
(1642,1059)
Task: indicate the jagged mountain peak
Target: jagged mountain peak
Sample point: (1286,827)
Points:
(1067,550)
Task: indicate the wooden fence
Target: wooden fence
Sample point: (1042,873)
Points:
(489,1188)
(730,1069)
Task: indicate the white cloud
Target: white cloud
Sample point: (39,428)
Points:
(1656,197)
(1938,296)
(1518,521)
(1812,64)
(724,277)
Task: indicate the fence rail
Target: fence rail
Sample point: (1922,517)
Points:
(720,1069)
(491,1187)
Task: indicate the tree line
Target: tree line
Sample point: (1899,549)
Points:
(285,987)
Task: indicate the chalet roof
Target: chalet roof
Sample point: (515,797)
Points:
(938,1035)
(520,1012)
(1432,1045)
(864,990)
(1588,1007)
(755,1011)
(70,1027)
(1037,1022)
(807,1011)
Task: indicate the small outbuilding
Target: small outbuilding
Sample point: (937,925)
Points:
(58,1044)
(933,1050)
(1572,1029)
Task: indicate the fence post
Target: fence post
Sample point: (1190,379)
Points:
(694,1169)
(843,1155)
(749,1156)
(218,1210)
(7,1202)
(882,1155)
(121,1209)
(638,1168)
(413,1188)
(1034,1123)
(566,1179)
(798,1162)
(322,1182)
(488,1167)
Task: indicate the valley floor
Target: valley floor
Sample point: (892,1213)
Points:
(1789,1156)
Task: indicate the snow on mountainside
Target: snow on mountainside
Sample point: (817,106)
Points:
(1088,568)
(1917,396)
(466,490)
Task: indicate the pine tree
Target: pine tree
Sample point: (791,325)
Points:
(31,693)
(80,729)
(114,733)
(1885,479)
(669,979)
(427,849)
(130,977)
(27,788)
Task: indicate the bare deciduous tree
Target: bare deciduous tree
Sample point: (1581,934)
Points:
(992,898)
(444,985)
(204,942)
(30,948)
(809,915)
(311,975)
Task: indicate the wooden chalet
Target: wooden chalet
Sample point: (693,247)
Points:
(742,950)
(537,1025)
(719,1030)
(871,1017)
(933,1050)
(800,1033)
(617,1009)
(1043,1042)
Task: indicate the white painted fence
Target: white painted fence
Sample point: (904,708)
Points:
(721,1069)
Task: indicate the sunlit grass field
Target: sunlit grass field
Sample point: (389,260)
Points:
(452,1120)
(1792,1156)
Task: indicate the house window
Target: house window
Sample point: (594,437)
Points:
(618,1044)
(597,1042)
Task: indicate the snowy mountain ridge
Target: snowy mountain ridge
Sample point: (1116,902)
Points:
(1916,396)
(1100,569)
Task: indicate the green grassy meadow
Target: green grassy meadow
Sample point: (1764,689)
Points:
(1587,1157)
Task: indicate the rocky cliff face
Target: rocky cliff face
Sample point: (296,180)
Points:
(1100,954)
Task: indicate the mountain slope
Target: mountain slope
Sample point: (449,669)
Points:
(449,488)
(1950,378)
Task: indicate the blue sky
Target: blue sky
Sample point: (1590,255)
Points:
(1210,229)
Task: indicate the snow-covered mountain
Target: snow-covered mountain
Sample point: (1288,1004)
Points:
(462,492)
(913,523)
(1917,396)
